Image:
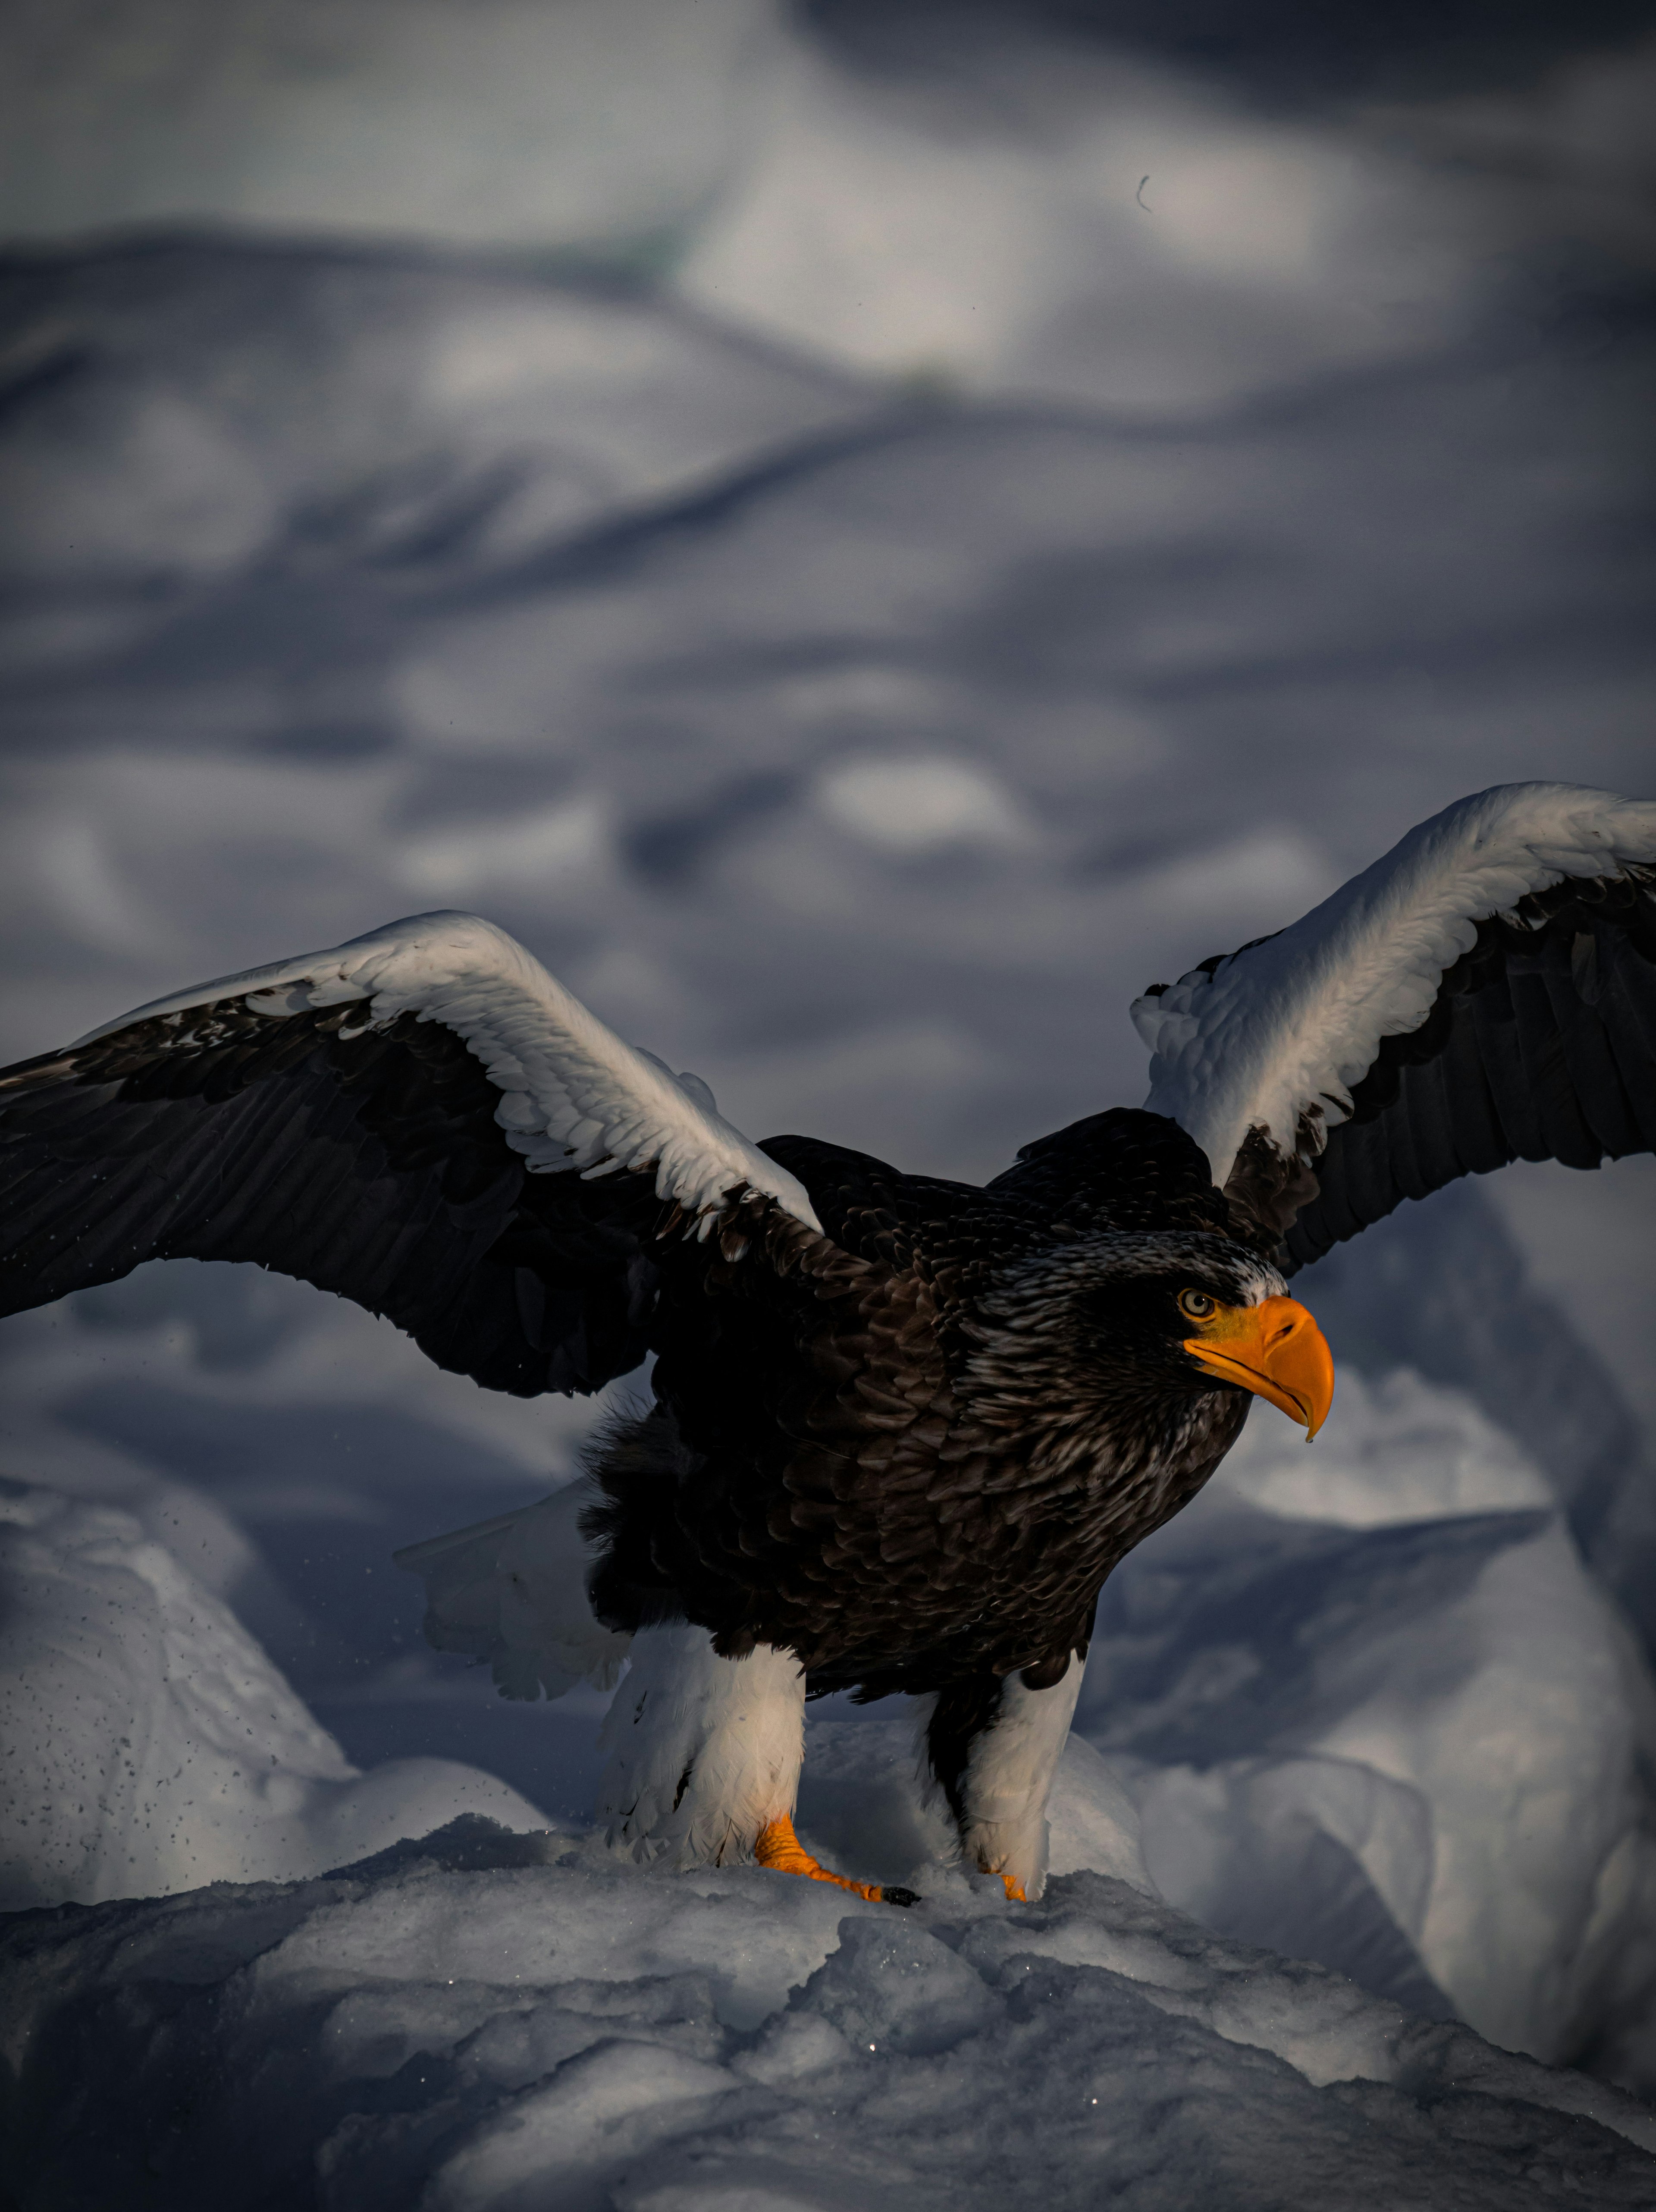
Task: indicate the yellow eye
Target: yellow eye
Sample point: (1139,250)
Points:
(1197,1304)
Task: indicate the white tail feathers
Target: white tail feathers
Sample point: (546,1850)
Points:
(513,1590)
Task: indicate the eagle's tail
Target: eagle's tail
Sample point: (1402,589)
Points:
(513,1590)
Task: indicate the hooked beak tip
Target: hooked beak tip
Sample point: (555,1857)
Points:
(1278,1353)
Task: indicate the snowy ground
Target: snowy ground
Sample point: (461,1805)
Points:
(495,2021)
(941,594)
(502,2018)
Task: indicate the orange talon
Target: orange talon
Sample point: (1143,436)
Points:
(779,1848)
(1014,1889)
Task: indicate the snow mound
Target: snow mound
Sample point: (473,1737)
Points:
(151,1745)
(1375,1711)
(486,2022)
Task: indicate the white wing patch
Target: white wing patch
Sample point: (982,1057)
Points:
(573,1098)
(1276,1036)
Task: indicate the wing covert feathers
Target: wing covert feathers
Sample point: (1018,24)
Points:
(572,1094)
(1485,991)
(422,1121)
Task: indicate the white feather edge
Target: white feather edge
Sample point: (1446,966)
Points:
(1285,1030)
(573,1096)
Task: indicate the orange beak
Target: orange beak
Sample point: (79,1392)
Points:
(1276,1350)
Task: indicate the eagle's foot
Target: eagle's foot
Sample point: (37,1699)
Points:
(1015,1889)
(777,1847)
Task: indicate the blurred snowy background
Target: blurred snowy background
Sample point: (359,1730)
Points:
(865,534)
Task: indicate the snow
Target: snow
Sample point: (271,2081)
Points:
(976,200)
(1390,1680)
(1064,216)
(151,1745)
(490,126)
(952,598)
(1369,1703)
(281,1446)
(485,2020)
(492,2019)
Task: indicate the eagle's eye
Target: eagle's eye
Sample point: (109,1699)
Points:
(1197,1304)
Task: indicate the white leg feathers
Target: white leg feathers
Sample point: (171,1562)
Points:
(703,1752)
(1000,1795)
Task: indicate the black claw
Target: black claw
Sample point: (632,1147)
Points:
(892,1895)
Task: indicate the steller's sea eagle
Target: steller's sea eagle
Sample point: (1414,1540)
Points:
(902,1428)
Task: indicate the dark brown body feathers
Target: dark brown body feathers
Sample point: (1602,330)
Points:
(868,1451)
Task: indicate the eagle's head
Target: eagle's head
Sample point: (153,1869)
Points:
(1148,1331)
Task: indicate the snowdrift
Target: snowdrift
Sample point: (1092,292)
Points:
(1376,1711)
(150,1745)
(503,2024)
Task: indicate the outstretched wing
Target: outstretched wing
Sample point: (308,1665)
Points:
(422,1120)
(1485,993)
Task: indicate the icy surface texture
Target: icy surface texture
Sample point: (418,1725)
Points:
(1376,1711)
(151,1745)
(500,2024)
(1443,1289)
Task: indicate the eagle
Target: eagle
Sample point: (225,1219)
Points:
(901,1428)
